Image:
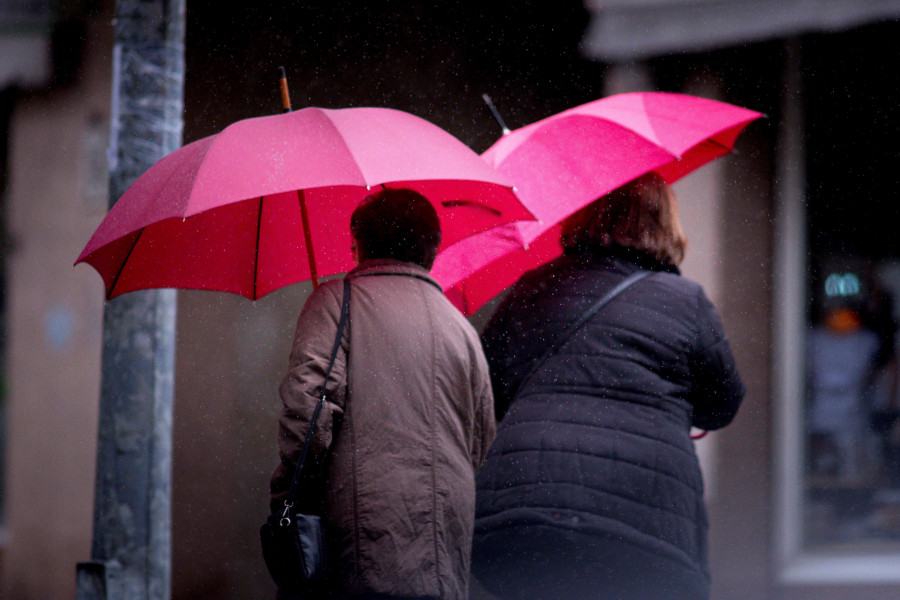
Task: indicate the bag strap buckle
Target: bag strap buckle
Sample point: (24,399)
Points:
(285,516)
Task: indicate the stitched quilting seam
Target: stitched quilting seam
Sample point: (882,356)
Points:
(431,401)
(627,541)
(662,509)
(606,428)
(605,457)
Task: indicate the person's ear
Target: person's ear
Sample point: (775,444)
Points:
(356,251)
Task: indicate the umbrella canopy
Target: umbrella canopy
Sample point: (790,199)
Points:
(564,162)
(267,202)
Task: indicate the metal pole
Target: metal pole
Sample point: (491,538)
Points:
(131,550)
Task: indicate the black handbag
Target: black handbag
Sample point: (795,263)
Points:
(293,544)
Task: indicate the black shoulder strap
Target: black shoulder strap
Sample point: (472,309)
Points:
(584,318)
(345,311)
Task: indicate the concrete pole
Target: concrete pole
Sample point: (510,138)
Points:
(789,302)
(131,550)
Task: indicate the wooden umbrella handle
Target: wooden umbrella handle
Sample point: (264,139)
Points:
(285,95)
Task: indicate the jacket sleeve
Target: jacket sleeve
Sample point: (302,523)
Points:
(485,428)
(717,389)
(300,391)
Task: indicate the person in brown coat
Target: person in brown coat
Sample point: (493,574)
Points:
(409,418)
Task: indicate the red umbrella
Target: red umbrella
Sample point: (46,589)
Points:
(564,162)
(267,202)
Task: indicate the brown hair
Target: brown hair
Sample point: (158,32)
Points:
(397,223)
(642,214)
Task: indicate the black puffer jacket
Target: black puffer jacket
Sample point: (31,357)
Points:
(596,448)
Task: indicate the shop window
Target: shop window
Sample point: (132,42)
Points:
(851,410)
(837,354)
(852,406)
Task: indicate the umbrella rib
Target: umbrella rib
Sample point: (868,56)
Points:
(462,289)
(670,119)
(256,257)
(124,262)
(713,142)
(185,208)
(346,145)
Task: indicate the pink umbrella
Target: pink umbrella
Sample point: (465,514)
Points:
(564,162)
(267,202)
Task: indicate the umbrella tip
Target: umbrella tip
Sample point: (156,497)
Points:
(487,100)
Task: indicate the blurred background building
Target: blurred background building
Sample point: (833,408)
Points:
(797,223)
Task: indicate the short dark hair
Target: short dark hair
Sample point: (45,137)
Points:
(397,223)
(642,214)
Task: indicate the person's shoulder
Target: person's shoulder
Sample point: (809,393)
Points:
(675,292)
(449,315)
(677,283)
(330,290)
(537,281)
(548,270)
(450,324)
(325,297)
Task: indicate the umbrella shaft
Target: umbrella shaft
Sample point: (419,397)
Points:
(307,234)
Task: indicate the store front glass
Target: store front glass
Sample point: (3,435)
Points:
(851,404)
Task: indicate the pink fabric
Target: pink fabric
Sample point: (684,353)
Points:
(223,213)
(564,162)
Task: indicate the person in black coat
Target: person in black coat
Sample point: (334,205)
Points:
(592,488)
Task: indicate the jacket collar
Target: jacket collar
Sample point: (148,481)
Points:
(390,266)
(629,259)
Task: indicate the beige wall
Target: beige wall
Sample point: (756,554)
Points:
(740,510)
(231,355)
(702,207)
(54,316)
(725,209)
